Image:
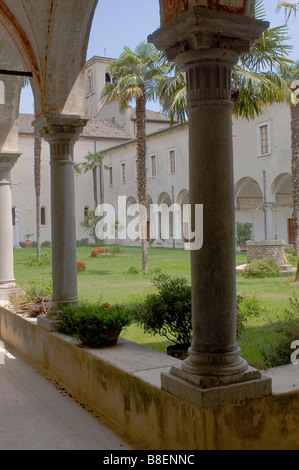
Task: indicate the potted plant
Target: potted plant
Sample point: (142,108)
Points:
(94,324)
(28,242)
(168,313)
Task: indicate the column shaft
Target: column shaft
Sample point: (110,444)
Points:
(62,131)
(64,267)
(207,44)
(7,279)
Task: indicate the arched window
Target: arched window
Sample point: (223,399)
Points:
(2,93)
(43,218)
(90,82)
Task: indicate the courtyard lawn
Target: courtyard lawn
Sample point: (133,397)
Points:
(110,279)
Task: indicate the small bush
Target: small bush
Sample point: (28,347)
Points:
(98,253)
(45,259)
(81,267)
(249,306)
(90,323)
(266,267)
(46,244)
(83,242)
(168,312)
(278,352)
(38,288)
(30,292)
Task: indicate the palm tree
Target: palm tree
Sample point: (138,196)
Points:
(37,184)
(92,162)
(289,8)
(255,82)
(291,75)
(134,75)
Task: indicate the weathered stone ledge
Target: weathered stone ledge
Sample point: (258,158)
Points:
(122,383)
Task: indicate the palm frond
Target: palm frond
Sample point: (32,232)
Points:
(289,9)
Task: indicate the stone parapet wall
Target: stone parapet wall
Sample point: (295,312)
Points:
(122,385)
(266,249)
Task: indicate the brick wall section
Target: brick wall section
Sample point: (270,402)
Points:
(266,249)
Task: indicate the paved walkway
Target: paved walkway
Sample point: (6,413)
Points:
(35,415)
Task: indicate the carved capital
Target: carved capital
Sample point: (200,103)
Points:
(61,131)
(7,162)
(201,28)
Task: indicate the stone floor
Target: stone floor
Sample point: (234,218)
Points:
(36,415)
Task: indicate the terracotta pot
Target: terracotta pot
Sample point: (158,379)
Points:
(28,244)
(179,351)
(112,337)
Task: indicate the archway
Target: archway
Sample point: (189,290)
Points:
(282,194)
(249,205)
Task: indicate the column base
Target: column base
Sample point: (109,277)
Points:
(212,392)
(48,324)
(5,290)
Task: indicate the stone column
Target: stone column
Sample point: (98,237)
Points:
(61,132)
(7,279)
(207,43)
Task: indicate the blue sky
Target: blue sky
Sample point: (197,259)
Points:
(127,22)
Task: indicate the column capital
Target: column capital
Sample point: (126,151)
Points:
(8,159)
(60,127)
(61,132)
(196,33)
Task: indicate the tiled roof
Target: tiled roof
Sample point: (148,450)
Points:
(94,128)
(152,116)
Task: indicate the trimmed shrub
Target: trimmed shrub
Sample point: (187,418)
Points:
(90,323)
(266,267)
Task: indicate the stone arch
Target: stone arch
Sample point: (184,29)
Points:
(164,198)
(247,192)
(130,202)
(281,190)
(282,195)
(44,35)
(183,197)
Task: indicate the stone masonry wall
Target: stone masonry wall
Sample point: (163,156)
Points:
(266,249)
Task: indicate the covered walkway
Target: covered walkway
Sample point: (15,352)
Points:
(37,415)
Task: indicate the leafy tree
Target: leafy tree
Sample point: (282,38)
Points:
(89,224)
(134,76)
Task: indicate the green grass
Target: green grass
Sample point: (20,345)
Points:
(107,279)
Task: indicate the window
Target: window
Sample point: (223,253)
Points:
(86,211)
(90,82)
(154,166)
(110,169)
(264,139)
(14,216)
(43,220)
(172,161)
(123,173)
